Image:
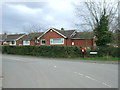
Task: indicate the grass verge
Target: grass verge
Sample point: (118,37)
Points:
(100,58)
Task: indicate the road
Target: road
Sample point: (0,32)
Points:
(35,72)
(0,71)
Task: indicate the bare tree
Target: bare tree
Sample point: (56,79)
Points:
(34,28)
(116,32)
(34,31)
(91,13)
(119,15)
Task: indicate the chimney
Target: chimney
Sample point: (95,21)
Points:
(5,33)
(62,29)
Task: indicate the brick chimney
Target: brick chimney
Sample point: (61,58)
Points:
(62,29)
(5,33)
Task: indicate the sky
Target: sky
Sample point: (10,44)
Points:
(57,14)
(54,13)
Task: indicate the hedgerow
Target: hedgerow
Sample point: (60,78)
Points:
(60,51)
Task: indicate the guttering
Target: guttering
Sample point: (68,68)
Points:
(53,30)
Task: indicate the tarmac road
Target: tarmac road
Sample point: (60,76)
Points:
(36,72)
(0,71)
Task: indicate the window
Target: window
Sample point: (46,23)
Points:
(57,41)
(27,42)
(72,43)
(38,41)
(13,43)
(94,43)
(5,42)
(42,41)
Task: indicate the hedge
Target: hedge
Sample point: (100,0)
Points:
(48,51)
(60,51)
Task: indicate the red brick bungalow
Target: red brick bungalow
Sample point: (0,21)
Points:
(14,39)
(2,38)
(31,39)
(55,37)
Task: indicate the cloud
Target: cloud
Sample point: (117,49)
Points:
(53,13)
(50,13)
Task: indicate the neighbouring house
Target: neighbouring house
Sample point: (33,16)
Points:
(55,37)
(14,39)
(31,39)
(2,38)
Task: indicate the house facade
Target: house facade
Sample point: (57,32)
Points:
(55,37)
(2,38)
(31,39)
(52,37)
(14,39)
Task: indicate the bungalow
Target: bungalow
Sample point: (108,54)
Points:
(31,39)
(55,37)
(14,39)
(2,38)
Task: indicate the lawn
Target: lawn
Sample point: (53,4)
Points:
(100,58)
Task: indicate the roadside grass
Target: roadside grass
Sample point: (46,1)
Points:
(100,58)
(81,58)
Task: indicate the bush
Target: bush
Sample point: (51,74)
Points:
(60,51)
(110,51)
(48,51)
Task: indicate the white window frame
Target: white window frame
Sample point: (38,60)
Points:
(73,43)
(12,44)
(6,42)
(51,41)
(24,42)
(42,40)
(38,40)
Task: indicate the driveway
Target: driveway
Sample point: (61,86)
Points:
(35,72)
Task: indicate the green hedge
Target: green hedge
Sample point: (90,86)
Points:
(60,51)
(104,51)
(48,51)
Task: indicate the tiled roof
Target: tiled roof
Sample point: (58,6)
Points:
(3,37)
(83,35)
(32,36)
(78,35)
(66,33)
(13,37)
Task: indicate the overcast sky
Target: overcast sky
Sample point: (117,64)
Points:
(53,13)
(58,14)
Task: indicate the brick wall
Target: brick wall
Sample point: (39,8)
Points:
(82,42)
(94,39)
(69,42)
(52,35)
(32,43)
(0,42)
(19,41)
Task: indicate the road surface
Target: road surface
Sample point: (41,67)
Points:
(0,71)
(36,72)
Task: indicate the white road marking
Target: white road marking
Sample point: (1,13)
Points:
(106,84)
(55,66)
(80,74)
(90,77)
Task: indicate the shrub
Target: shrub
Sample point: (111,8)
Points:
(48,51)
(60,51)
